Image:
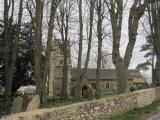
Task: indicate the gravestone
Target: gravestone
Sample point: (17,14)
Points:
(25,102)
(17,105)
(34,103)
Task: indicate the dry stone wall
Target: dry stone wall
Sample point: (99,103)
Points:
(94,110)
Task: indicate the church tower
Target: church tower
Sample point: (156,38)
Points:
(56,69)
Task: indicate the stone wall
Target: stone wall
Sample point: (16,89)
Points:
(94,110)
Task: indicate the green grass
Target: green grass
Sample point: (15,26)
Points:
(56,102)
(137,113)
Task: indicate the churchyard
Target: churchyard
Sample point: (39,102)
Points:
(79,59)
(135,105)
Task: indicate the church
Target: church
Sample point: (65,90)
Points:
(108,78)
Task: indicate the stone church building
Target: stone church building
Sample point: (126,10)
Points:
(108,77)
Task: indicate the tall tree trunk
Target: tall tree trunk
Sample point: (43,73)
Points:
(92,6)
(8,82)
(116,13)
(158,70)
(153,43)
(99,31)
(82,72)
(153,81)
(65,72)
(79,80)
(54,5)
(37,49)
(98,89)
(63,22)
(91,18)
(10,60)
(122,76)
(156,28)
(66,51)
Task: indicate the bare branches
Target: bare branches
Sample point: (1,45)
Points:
(116,9)
(136,11)
(30,6)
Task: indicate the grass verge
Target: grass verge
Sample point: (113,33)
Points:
(137,113)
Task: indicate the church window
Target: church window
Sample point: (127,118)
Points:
(107,85)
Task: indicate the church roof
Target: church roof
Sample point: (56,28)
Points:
(105,74)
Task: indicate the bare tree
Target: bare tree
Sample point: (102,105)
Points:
(91,19)
(116,14)
(11,54)
(31,7)
(79,81)
(54,5)
(100,13)
(37,49)
(41,72)
(154,18)
(82,72)
(63,20)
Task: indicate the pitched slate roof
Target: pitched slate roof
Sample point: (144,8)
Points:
(105,74)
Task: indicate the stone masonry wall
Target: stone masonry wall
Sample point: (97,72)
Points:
(94,110)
